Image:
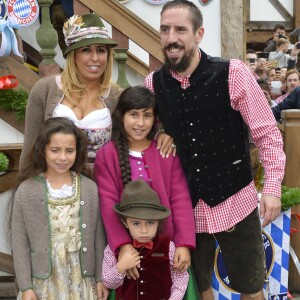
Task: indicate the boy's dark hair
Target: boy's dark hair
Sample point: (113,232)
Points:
(196,15)
(137,97)
(36,157)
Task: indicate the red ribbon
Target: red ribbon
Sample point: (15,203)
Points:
(137,244)
(294,230)
(6,82)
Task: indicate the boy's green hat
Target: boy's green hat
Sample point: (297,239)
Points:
(139,201)
(80,31)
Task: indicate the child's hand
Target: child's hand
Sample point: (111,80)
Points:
(102,291)
(129,260)
(133,273)
(29,295)
(182,259)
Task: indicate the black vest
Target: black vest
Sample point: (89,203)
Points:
(211,137)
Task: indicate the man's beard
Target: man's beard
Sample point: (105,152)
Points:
(183,64)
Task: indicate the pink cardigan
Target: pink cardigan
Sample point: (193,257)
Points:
(168,180)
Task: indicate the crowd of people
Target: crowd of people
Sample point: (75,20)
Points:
(276,71)
(124,193)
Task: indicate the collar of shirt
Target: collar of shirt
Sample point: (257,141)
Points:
(184,81)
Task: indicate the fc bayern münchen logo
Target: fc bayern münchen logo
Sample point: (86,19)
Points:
(25,11)
(220,269)
(2,10)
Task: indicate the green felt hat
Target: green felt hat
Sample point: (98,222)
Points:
(80,31)
(140,201)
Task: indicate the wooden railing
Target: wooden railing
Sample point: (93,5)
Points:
(290,129)
(126,25)
(9,179)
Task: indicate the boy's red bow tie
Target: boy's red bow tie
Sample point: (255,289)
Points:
(137,244)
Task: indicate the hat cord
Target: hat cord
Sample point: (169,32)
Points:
(143,205)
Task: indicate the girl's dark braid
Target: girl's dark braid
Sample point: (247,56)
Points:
(123,153)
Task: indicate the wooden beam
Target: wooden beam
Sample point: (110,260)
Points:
(127,22)
(137,65)
(246,21)
(296,13)
(268,25)
(258,36)
(282,10)
(79,8)
(7,290)
(26,77)
(10,118)
(6,263)
(232,29)
(8,181)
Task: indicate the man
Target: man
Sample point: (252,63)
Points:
(292,101)
(204,104)
(292,80)
(251,62)
(278,31)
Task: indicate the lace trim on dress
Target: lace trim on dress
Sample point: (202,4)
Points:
(68,199)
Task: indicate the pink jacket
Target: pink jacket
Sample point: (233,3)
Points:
(168,180)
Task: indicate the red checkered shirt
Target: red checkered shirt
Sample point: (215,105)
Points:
(247,98)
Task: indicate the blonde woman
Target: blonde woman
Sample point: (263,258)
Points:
(83,92)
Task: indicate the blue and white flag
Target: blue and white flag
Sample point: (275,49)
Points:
(276,238)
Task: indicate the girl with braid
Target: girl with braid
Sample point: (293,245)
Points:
(132,154)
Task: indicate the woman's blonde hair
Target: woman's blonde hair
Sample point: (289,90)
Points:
(72,81)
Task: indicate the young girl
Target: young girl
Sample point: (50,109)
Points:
(133,155)
(57,235)
(140,211)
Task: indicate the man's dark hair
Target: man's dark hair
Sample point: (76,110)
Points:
(280,26)
(196,15)
(251,51)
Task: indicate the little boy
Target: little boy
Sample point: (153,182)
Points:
(141,212)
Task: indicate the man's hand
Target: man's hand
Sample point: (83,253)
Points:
(270,207)
(165,144)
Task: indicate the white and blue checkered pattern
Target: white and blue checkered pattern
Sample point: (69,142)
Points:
(279,233)
(22,9)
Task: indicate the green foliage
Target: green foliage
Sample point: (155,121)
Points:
(4,162)
(14,100)
(289,197)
